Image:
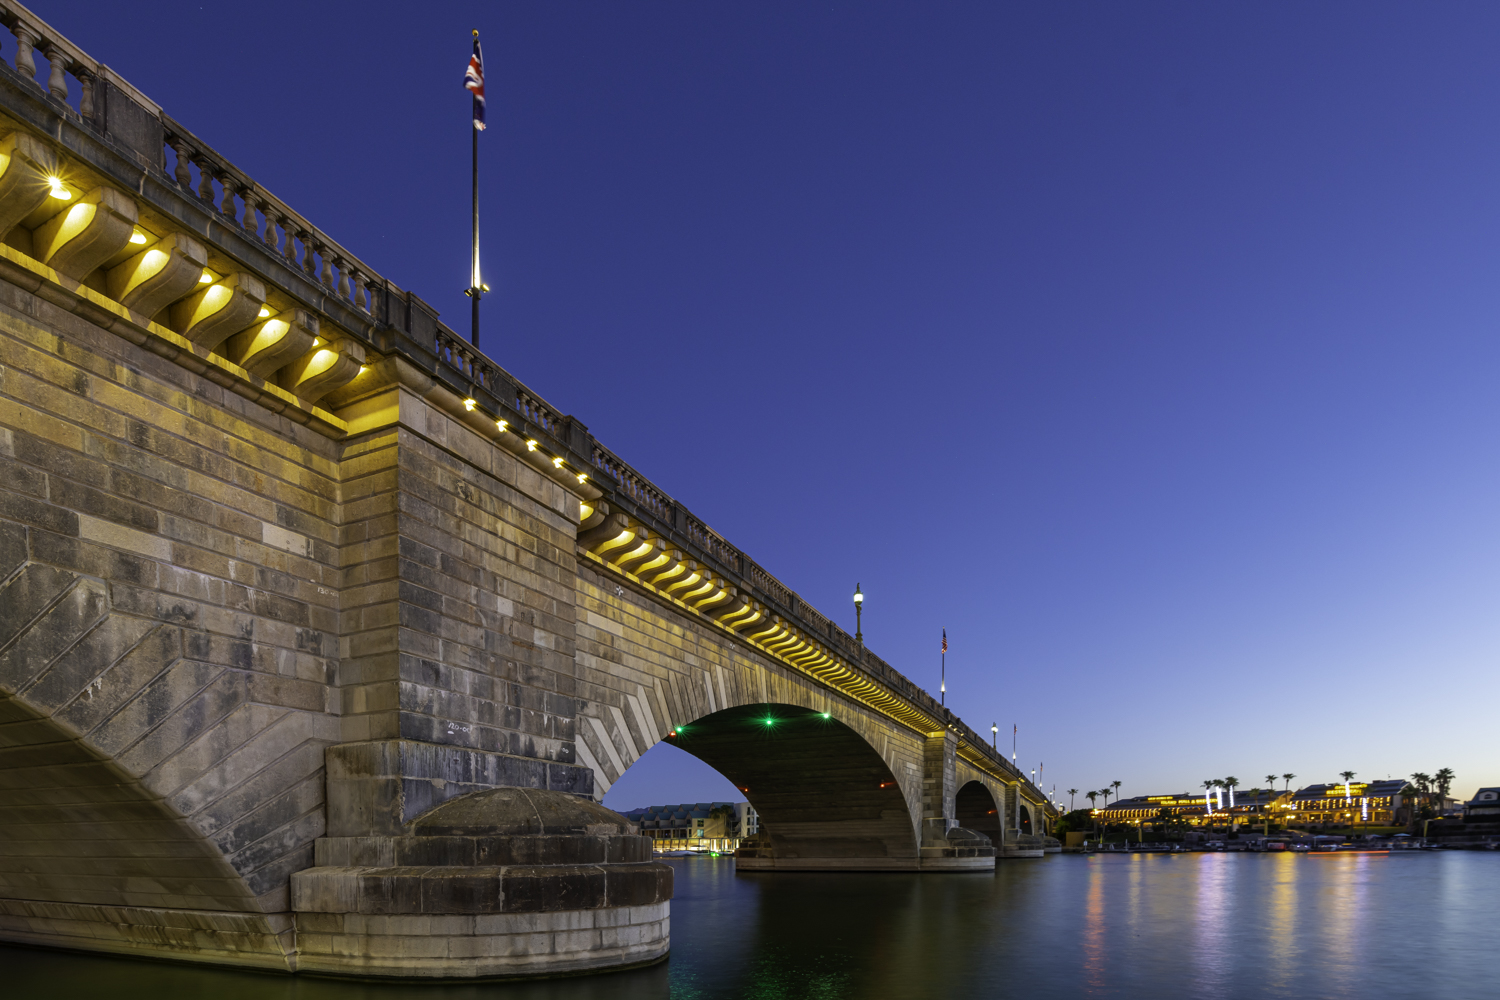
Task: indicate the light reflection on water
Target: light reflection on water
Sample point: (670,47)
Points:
(1199,925)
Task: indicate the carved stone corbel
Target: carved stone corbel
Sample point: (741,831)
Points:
(219,310)
(157,276)
(273,342)
(323,369)
(25,164)
(86,233)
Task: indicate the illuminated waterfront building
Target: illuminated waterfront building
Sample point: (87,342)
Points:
(710,826)
(1191,808)
(1377,803)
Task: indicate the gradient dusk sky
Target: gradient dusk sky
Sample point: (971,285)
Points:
(1151,349)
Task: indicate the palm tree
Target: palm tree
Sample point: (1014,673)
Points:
(1071,792)
(1116,786)
(1105,792)
(1443,781)
(1231,783)
(1091,796)
(1423,782)
(1289,776)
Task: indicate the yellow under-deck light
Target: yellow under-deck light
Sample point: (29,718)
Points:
(363,369)
(531,445)
(557,463)
(317,341)
(504,425)
(583,477)
(470,403)
(205,278)
(264,313)
(137,237)
(58,191)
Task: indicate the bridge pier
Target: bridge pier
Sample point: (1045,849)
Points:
(432,868)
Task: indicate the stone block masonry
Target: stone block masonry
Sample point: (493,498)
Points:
(168,646)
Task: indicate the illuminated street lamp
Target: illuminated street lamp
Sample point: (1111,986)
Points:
(995,736)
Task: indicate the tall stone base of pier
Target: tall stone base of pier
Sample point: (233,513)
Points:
(500,881)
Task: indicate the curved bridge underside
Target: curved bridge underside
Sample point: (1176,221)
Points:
(823,794)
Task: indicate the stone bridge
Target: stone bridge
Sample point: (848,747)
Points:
(321,635)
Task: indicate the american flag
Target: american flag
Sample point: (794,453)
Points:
(474,81)
(945,640)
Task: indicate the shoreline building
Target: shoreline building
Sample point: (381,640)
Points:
(1376,803)
(1192,808)
(708,826)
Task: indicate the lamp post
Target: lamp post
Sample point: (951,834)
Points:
(859,606)
(995,735)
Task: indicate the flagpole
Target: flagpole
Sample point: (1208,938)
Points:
(943,683)
(474,288)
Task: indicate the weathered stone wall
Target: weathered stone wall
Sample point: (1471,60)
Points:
(458,603)
(168,638)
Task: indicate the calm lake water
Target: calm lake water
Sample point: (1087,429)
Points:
(1424,924)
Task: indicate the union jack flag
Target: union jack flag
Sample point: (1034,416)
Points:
(474,81)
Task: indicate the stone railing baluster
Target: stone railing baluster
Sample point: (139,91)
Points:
(343,286)
(360,292)
(249,222)
(181,173)
(205,179)
(57,81)
(290,250)
(226,203)
(325,276)
(85,92)
(26,39)
(271,216)
(309,253)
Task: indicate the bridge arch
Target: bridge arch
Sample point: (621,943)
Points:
(976,808)
(88,853)
(824,795)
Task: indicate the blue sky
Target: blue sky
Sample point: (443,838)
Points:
(1149,349)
